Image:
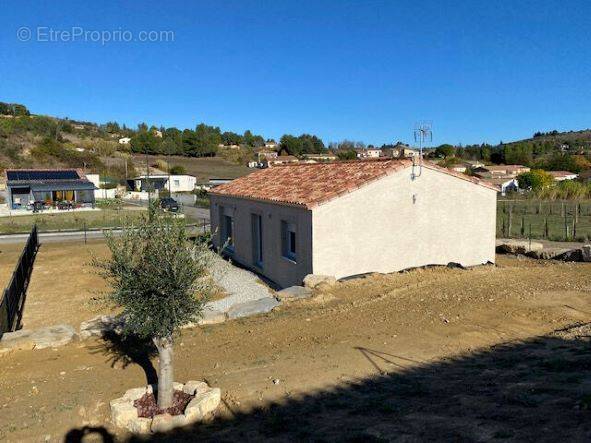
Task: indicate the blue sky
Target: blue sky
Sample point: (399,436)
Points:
(361,70)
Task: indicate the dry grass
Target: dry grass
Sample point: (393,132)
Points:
(202,168)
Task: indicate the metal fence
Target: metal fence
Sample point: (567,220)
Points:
(558,220)
(13,299)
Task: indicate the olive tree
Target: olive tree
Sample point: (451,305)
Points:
(159,278)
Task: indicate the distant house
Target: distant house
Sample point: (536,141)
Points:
(48,186)
(399,151)
(505,185)
(289,221)
(320,157)
(271,145)
(280,160)
(563,175)
(156,182)
(368,152)
(500,171)
(124,140)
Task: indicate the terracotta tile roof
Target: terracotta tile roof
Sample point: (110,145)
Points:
(311,184)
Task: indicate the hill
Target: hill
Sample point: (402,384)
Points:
(37,141)
(568,151)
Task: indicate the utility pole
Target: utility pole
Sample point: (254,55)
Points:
(148,177)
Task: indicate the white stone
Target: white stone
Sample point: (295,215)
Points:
(140,425)
(48,337)
(313,280)
(194,387)
(136,393)
(99,325)
(510,246)
(123,412)
(294,292)
(247,309)
(203,404)
(211,317)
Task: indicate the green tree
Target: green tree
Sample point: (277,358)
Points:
(445,150)
(535,180)
(145,142)
(346,154)
(231,138)
(290,145)
(178,170)
(157,276)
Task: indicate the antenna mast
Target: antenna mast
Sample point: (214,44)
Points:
(422,134)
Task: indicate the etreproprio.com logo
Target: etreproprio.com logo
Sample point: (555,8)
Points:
(103,37)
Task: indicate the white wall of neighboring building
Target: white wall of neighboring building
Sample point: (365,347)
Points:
(100,193)
(181,183)
(434,219)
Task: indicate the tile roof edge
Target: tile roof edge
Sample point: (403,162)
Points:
(473,180)
(264,200)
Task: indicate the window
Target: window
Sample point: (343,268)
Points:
(177,183)
(227,230)
(257,239)
(288,240)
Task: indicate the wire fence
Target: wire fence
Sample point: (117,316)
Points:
(13,299)
(556,220)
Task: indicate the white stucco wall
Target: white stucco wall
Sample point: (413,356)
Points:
(397,223)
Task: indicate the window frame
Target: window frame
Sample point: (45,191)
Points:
(289,249)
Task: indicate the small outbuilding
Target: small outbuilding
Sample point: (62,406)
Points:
(350,218)
(156,182)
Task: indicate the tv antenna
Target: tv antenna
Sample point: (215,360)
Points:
(423,134)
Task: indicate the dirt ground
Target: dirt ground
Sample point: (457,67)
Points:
(491,353)
(64,287)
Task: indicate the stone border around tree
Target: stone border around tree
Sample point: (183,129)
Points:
(124,414)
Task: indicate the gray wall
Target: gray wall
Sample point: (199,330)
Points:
(275,267)
(397,223)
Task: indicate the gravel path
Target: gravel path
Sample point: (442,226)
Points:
(240,284)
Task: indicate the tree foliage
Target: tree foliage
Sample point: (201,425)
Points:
(159,278)
(535,180)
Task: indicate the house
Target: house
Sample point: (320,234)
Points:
(400,151)
(560,176)
(500,171)
(156,182)
(124,140)
(324,157)
(505,185)
(368,152)
(102,189)
(280,160)
(266,154)
(50,186)
(353,217)
(271,145)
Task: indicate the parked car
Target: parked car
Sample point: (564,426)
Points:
(169,204)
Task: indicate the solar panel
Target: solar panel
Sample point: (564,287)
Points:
(27,175)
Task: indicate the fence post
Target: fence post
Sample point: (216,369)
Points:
(530,236)
(522,226)
(546,231)
(510,221)
(84,231)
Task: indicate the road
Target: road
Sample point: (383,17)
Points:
(193,213)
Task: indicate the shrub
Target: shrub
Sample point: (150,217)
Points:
(178,170)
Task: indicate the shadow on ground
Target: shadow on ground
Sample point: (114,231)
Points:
(535,390)
(124,350)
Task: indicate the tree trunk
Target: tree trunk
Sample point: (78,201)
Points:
(165,371)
